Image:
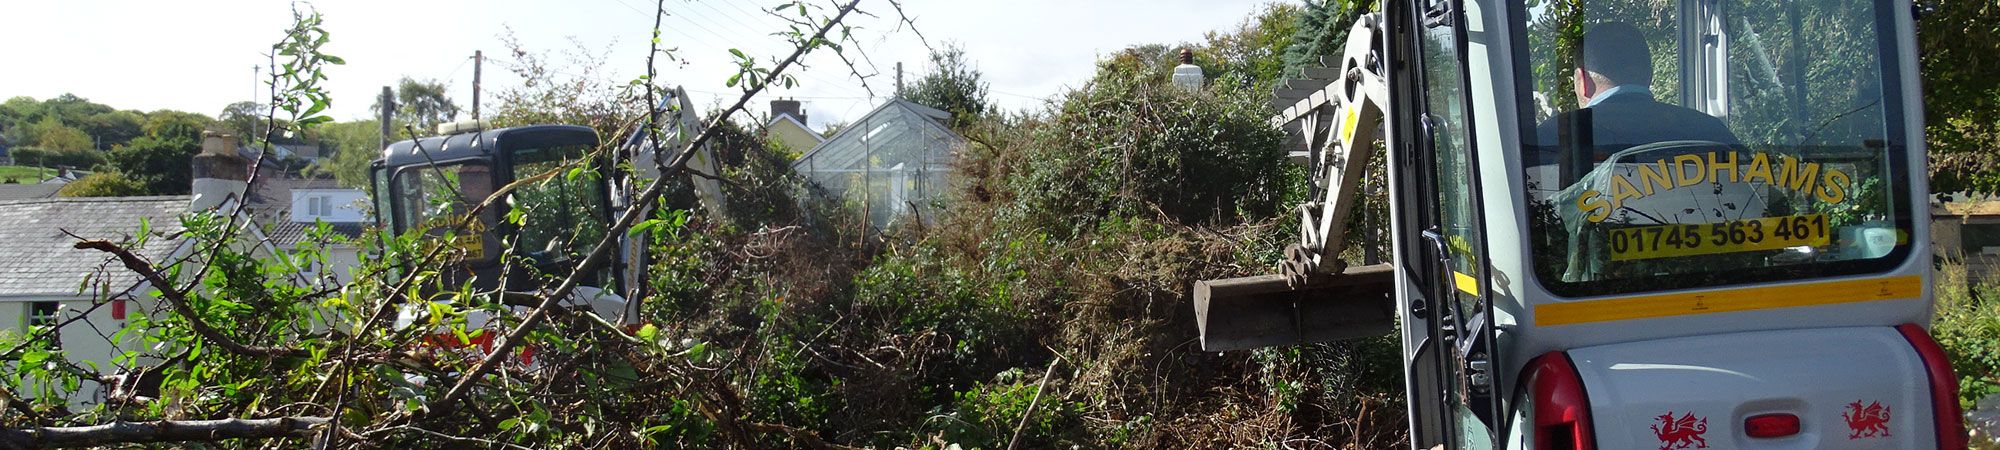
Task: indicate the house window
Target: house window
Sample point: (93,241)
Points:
(319,206)
(44,315)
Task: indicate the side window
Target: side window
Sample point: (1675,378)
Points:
(1457,222)
(383,198)
(1444,99)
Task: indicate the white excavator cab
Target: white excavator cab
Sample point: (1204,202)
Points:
(1625,224)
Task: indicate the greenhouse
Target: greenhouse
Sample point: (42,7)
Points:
(886,165)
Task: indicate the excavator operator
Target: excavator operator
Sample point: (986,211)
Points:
(1618,110)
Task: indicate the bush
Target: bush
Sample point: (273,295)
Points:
(102,184)
(1968,327)
(1129,142)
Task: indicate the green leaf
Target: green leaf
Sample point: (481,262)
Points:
(648,332)
(733,79)
(696,352)
(642,226)
(34,357)
(509,424)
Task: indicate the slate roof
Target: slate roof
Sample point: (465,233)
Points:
(36,258)
(28,191)
(286,234)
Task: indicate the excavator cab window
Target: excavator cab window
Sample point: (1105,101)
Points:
(433,200)
(1712,142)
(554,203)
(561,206)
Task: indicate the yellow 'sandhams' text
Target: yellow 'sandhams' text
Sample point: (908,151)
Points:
(1828,184)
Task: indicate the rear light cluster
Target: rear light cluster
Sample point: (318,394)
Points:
(1944,388)
(1562,411)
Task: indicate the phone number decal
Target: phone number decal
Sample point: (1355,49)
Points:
(1769,233)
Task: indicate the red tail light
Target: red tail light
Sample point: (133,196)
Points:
(1944,388)
(1562,410)
(1771,425)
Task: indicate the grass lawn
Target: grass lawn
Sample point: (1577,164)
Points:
(25,174)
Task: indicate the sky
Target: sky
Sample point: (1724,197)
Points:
(201,56)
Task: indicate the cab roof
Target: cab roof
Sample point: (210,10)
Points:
(474,144)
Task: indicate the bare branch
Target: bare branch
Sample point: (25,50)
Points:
(157,431)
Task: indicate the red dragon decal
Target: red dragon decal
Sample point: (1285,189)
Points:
(1684,432)
(1866,421)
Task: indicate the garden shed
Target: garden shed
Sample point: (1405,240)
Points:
(886,165)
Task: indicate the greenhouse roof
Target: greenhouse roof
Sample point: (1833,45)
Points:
(898,131)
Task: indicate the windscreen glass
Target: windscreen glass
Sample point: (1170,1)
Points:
(433,200)
(1680,144)
(561,205)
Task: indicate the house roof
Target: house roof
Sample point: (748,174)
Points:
(37,258)
(787,118)
(897,131)
(286,234)
(10,192)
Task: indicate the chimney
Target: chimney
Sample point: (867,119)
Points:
(220,174)
(1187,75)
(791,107)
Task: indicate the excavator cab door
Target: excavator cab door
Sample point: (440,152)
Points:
(1447,332)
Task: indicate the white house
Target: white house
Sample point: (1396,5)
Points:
(45,281)
(79,299)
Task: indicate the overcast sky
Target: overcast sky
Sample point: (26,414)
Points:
(200,56)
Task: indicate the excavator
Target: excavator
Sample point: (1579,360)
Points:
(556,196)
(1621,224)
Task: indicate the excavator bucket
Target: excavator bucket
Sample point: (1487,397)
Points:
(1268,310)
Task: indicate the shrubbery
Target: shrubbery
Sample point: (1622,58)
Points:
(1065,256)
(1968,327)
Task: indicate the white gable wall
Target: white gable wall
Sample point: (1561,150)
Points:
(330,205)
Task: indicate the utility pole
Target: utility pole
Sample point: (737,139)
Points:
(899,80)
(477,58)
(256,74)
(388,111)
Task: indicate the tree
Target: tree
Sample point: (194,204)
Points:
(17,111)
(1960,45)
(1253,53)
(952,85)
(161,165)
(176,124)
(52,134)
(70,107)
(102,184)
(422,104)
(1322,31)
(352,145)
(113,128)
(160,160)
(247,120)
(572,91)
